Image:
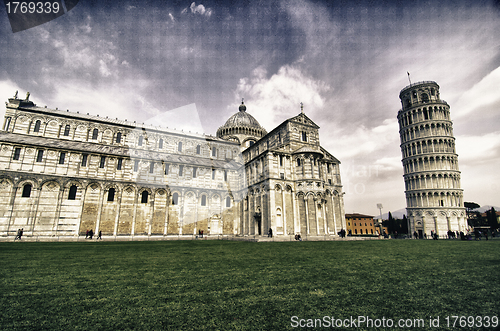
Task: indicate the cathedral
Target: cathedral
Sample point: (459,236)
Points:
(64,173)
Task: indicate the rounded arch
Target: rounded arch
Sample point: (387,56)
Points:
(50,180)
(94,186)
(203,199)
(130,189)
(175,198)
(160,191)
(71,182)
(142,189)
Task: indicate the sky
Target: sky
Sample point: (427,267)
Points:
(346,61)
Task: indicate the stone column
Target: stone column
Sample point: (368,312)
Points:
(167,211)
(117,217)
(334,216)
(296,218)
(11,206)
(151,217)
(325,221)
(306,202)
(316,215)
(58,208)
(132,231)
(84,193)
(99,211)
(283,210)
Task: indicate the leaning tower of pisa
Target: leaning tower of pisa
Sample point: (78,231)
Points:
(434,199)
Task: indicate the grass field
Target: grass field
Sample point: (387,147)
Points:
(224,285)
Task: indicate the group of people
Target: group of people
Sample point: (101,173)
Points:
(478,234)
(90,234)
(19,234)
(341,233)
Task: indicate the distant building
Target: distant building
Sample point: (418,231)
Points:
(360,224)
(434,199)
(63,173)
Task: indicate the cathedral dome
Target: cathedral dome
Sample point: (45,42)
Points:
(239,125)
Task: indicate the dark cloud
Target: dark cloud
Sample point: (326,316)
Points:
(348,59)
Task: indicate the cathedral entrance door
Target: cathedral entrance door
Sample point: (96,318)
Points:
(258,221)
(215,225)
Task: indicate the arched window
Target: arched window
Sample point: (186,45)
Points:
(72,192)
(198,149)
(39,156)
(37,126)
(144,197)
(228,202)
(102,163)
(203,200)
(111,194)
(62,157)
(66,130)
(214,151)
(118,137)
(95,133)
(26,191)
(175,199)
(140,141)
(298,162)
(179,147)
(160,144)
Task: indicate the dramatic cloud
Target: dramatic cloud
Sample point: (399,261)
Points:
(200,9)
(272,100)
(346,61)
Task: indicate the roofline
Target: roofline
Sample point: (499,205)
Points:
(108,121)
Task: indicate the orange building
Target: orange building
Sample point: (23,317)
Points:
(360,224)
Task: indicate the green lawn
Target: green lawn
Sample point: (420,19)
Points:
(224,285)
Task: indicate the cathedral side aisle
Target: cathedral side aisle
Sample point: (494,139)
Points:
(63,173)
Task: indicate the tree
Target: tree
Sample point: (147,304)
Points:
(396,225)
(472,217)
(491,217)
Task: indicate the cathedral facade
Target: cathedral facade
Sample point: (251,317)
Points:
(64,173)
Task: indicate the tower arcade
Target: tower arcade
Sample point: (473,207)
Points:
(434,199)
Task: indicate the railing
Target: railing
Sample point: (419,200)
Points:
(418,83)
